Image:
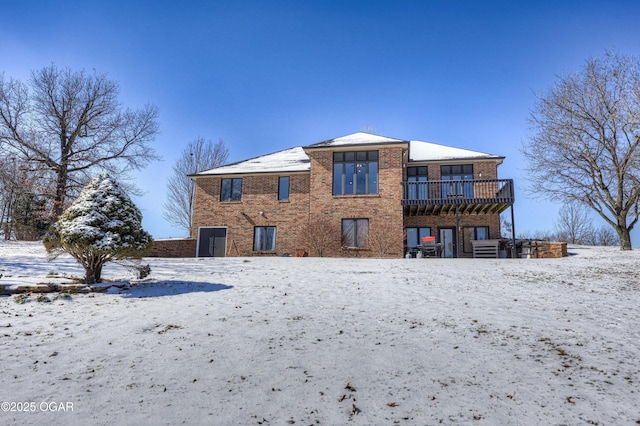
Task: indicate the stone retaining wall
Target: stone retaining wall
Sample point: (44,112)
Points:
(548,250)
(175,247)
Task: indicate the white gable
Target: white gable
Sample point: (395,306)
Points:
(289,160)
(427,151)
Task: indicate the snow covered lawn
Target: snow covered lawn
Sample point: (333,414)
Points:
(273,341)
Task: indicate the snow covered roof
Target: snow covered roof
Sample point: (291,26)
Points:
(418,150)
(427,151)
(289,160)
(296,160)
(359,138)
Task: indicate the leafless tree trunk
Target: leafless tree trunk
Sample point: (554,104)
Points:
(586,146)
(7,196)
(197,156)
(71,123)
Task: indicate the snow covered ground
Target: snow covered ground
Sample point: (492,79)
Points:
(276,341)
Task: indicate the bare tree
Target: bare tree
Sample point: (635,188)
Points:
(24,211)
(574,225)
(9,192)
(369,128)
(605,236)
(506,227)
(381,240)
(321,235)
(538,235)
(587,140)
(71,123)
(197,156)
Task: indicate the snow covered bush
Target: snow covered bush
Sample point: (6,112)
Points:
(102,225)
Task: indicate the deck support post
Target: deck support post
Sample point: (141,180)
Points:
(457,232)
(514,251)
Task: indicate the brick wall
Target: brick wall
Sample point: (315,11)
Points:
(259,206)
(449,221)
(383,209)
(488,169)
(481,170)
(179,247)
(312,209)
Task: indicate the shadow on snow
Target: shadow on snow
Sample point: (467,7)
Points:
(170,288)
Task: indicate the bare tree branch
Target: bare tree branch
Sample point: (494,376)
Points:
(197,156)
(72,124)
(586,146)
(574,225)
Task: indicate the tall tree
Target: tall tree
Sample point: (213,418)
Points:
(71,123)
(586,146)
(197,156)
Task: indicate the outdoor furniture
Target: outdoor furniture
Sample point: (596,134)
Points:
(485,248)
(429,247)
(528,250)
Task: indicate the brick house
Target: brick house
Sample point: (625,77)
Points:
(357,195)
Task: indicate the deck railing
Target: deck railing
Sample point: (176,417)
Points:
(474,191)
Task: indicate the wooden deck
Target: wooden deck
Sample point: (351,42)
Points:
(466,197)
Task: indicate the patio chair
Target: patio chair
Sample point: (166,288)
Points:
(429,247)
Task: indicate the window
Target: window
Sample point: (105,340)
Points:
(231,189)
(417,191)
(414,236)
(283,188)
(457,173)
(355,172)
(473,233)
(264,238)
(355,232)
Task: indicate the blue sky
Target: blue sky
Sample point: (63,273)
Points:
(269,75)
